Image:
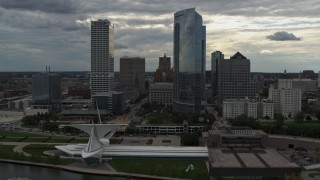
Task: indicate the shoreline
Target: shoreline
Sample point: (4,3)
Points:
(87,171)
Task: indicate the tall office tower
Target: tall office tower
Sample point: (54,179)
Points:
(132,77)
(102,57)
(287,100)
(163,72)
(216,57)
(189,61)
(234,79)
(46,91)
(319,80)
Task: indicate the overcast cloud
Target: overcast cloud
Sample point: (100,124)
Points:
(275,35)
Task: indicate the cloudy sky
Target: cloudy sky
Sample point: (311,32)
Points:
(274,34)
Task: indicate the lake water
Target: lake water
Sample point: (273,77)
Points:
(8,170)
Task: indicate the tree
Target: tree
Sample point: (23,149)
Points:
(299,117)
(244,120)
(267,117)
(279,120)
(318,114)
(308,118)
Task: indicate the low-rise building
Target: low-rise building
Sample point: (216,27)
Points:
(235,137)
(169,129)
(252,108)
(75,103)
(161,93)
(112,101)
(304,84)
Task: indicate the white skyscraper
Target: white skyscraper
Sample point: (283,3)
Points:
(287,100)
(102,57)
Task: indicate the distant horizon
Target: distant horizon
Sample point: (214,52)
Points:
(272,34)
(316,72)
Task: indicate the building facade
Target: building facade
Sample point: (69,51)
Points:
(234,79)
(112,101)
(102,57)
(163,73)
(304,84)
(132,77)
(216,57)
(232,108)
(46,91)
(161,93)
(189,61)
(287,100)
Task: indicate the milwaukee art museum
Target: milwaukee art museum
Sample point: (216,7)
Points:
(98,147)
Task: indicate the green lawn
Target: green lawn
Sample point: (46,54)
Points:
(166,141)
(37,149)
(58,140)
(6,148)
(162,167)
(20,134)
(35,139)
(116,141)
(6,152)
(80,141)
(11,139)
(29,126)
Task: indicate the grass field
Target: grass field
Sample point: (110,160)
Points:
(11,139)
(35,139)
(80,141)
(166,141)
(11,136)
(20,134)
(6,148)
(37,149)
(162,167)
(29,126)
(58,140)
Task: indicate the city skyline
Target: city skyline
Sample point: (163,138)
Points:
(274,35)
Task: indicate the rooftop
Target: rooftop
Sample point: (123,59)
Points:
(255,159)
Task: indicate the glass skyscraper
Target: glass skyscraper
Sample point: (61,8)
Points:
(189,61)
(46,91)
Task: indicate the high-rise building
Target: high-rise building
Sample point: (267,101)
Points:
(287,100)
(234,79)
(102,57)
(163,73)
(216,57)
(46,91)
(189,61)
(132,77)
